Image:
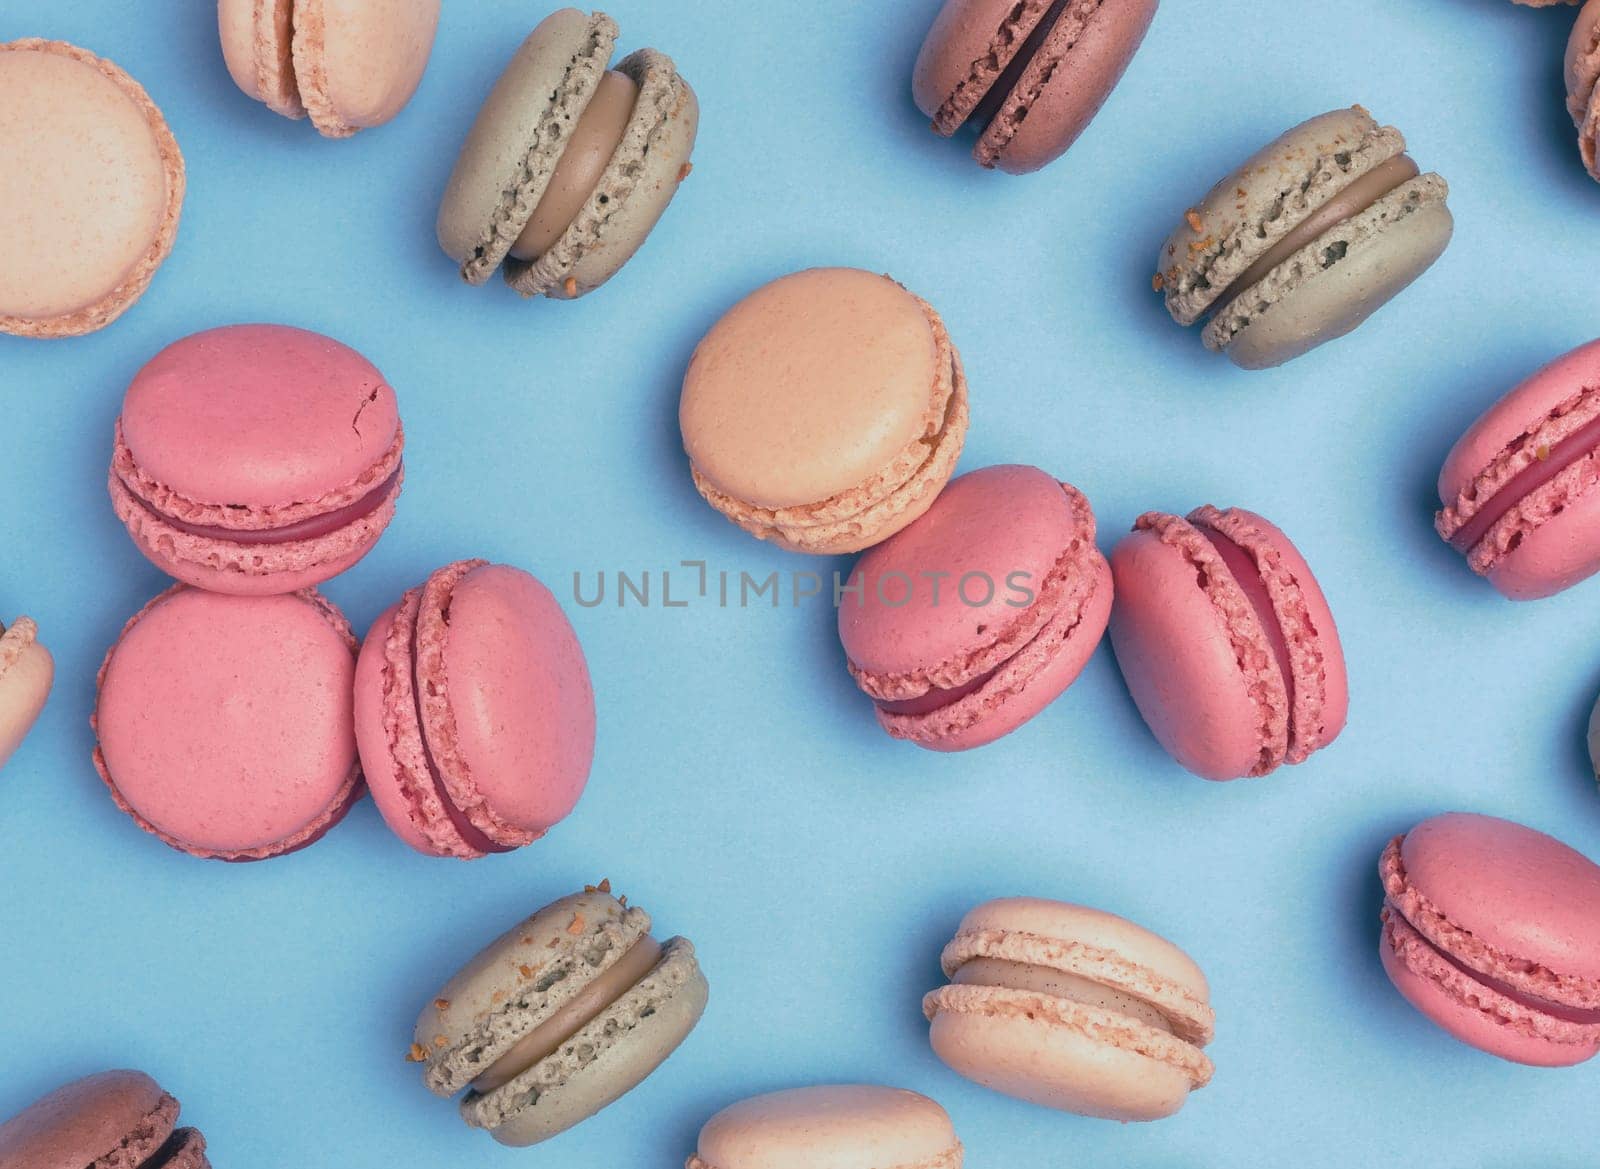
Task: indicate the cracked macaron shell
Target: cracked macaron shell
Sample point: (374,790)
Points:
(1469,895)
(224,724)
(112,1120)
(1078,1056)
(1198,659)
(26,673)
(1011,526)
(1548,540)
(526,976)
(830,1126)
(94,189)
(824,411)
(251,428)
(487,687)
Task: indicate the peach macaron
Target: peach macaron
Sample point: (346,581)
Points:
(26,672)
(91,190)
(348,64)
(830,1126)
(824,411)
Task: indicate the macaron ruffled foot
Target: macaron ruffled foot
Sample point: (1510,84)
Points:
(26,672)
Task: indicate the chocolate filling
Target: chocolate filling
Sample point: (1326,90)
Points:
(306,529)
(1572,449)
(1344,206)
(1007,81)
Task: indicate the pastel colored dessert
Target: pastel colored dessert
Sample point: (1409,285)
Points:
(257,459)
(1311,236)
(833,1126)
(1583,79)
(1026,75)
(223,723)
(570,164)
(1518,491)
(1226,642)
(26,672)
(474,712)
(114,1120)
(1593,739)
(1492,931)
(966,624)
(1072,1009)
(560,1016)
(824,411)
(350,64)
(93,190)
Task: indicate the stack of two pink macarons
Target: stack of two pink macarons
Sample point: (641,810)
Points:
(253,463)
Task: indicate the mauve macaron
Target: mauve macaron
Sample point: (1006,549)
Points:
(1583,82)
(474,712)
(824,411)
(1072,1008)
(830,1126)
(26,671)
(1026,75)
(224,723)
(350,64)
(1518,491)
(113,1120)
(966,624)
(90,192)
(1492,930)
(257,459)
(1226,642)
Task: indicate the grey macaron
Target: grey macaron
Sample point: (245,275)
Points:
(1305,241)
(558,1017)
(603,151)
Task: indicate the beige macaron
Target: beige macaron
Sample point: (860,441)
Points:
(26,671)
(91,189)
(824,411)
(570,164)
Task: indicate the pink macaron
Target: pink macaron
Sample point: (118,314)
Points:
(1492,930)
(1518,492)
(224,723)
(474,712)
(1226,642)
(966,624)
(257,459)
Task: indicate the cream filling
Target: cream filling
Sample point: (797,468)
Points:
(583,163)
(1059,984)
(575,1014)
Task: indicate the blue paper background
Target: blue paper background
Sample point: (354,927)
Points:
(742,792)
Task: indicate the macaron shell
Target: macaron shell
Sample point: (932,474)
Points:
(358,62)
(1182,669)
(93,1118)
(1511,888)
(1307,301)
(643,176)
(257,46)
(26,673)
(1582,74)
(92,195)
(967,49)
(517,139)
(224,723)
(1073,91)
(844,1126)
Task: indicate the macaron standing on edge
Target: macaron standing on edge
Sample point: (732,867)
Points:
(559,1017)
(839,1126)
(569,164)
(474,712)
(1027,75)
(223,723)
(350,64)
(26,672)
(1582,69)
(1300,245)
(969,622)
(824,411)
(113,1120)
(91,194)
(1072,1008)
(1492,930)
(257,459)
(1226,642)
